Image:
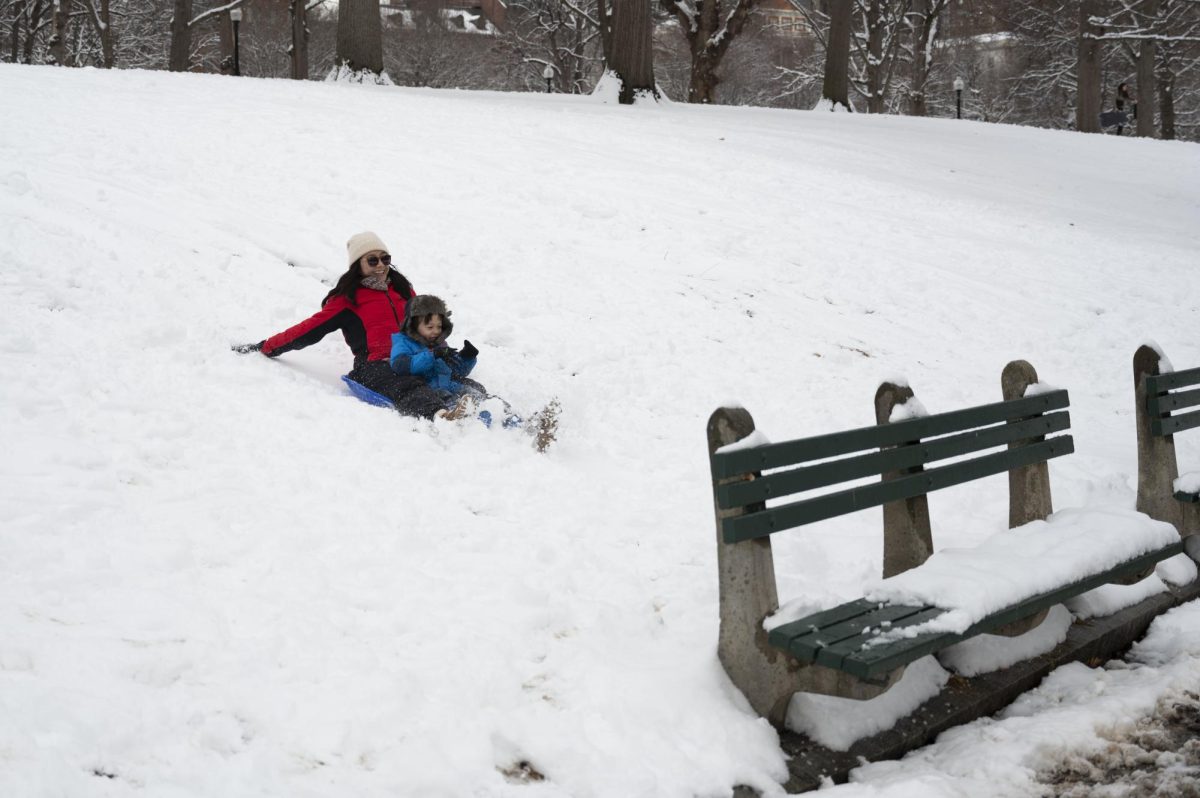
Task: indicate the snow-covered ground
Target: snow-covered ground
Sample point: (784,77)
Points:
(221,575)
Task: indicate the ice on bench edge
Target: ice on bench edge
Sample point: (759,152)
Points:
(1164,363)
(1020,563)
(755,438)
(1188,483)
(1039,388)
(910,409)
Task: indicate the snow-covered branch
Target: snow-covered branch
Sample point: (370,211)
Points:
(213,12)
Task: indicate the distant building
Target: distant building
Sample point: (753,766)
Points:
(783,17)
(469,16)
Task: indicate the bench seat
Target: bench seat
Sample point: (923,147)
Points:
(841,637)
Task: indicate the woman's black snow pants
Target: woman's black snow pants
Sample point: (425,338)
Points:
(410,394)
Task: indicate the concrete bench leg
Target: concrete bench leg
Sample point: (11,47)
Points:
(1028,486)
(746,572)
(907,538)
(1157,467)
(767,676)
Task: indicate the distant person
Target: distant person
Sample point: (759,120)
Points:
(367,305)
(420,350)
(1124,96)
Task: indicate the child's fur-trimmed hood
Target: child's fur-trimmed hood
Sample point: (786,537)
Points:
(426,305)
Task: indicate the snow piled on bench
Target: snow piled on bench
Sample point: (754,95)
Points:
(837,723)
(1018,564)
(989,653)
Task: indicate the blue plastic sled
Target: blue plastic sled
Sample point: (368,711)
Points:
(379,400)
(366,394)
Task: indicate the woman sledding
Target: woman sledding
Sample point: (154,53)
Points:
(369,305)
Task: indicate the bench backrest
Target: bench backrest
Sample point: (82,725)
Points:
(1169,393)
(905,447)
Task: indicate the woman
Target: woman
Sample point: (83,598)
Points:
(368,305)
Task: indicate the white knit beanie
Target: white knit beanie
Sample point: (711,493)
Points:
(362,243)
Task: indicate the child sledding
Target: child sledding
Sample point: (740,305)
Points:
(420,350)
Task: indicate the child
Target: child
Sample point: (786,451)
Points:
(420,349)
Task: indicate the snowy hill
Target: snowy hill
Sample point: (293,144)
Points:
(222,575)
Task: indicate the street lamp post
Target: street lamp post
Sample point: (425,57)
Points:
(958,87)
(236,16)
(548,74)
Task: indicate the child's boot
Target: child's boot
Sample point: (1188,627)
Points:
(463,408)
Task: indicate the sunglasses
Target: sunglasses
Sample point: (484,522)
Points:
(373,260)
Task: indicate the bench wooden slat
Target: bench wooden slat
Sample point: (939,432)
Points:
(878,660)
(1185,496)
(829,645)
(777,455)
(1159,404)
(773,486)
(829,617)
(1173,424)
(1161,383)
(845,655)
(806,511)
(805,637)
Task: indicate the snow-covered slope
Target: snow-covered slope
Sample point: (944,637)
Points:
(221,575)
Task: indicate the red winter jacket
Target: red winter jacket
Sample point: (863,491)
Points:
(367,325)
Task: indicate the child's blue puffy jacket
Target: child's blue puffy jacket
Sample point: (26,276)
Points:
(413,357)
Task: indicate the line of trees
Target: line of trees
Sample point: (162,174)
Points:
(1052,63)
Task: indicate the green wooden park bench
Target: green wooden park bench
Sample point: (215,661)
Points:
(1167,403)
(828,652)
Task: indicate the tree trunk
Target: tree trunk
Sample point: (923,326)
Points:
(15,31)
(298,15)
(702,88)
(836,88)
(1166,102)
(1087,93)
(929,12)
(181,37)
(709,29)
(360,35)
(633,49)
(76,48)
(875,57)
(604,20)
(107,55)
(1145,74)
(32,21)
(224,25)
(61,15)
(920,66)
